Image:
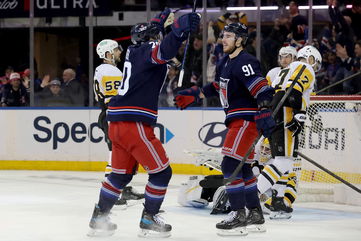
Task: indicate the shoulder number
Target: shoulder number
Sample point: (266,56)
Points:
(247,70)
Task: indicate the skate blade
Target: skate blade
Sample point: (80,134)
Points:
(120,207)
(131,203)
(256,228)
(145,233)
(241,231)
(100,233)
(280,215)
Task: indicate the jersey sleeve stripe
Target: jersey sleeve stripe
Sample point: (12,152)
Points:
(156,56)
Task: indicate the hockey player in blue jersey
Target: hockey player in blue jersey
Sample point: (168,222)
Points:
(246,98)
(132,113)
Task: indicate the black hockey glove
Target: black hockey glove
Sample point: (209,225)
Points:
(265,122)
(297,122)
(185,24)
(102,122)
(187,97)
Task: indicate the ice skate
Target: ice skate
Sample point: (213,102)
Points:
(153,226)
(233,225)
(129,193)
(100,224)
(121,204)
(279,210)
(255,221)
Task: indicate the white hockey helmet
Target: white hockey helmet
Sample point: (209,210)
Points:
(284,51)
(107,45)
(308,51)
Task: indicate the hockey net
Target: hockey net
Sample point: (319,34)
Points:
(332,138)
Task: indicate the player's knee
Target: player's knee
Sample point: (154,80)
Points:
(119,180)
(283,164)
(229,164)
(161,178)
(247,172)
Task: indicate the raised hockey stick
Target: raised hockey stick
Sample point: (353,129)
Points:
(181,74)
(329,172)
(275,112)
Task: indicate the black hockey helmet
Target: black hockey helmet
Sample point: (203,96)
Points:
(143,32)
(239,29)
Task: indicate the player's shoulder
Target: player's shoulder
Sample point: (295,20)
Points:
(108,69)
(297,66)
(274,71)
(244,56)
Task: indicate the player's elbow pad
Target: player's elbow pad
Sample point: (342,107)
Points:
(294,100)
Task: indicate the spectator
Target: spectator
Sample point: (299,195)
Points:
(299,24)
(353,16)
(193,66)
(54,96)
(351,65)
(14,93)
(169,88)
(73,88)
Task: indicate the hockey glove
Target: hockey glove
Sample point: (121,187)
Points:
(297,122)
(265,122)
(102,122)
(162,18)
(187,97)
(185,24)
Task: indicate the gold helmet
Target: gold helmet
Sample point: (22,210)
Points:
(265,151)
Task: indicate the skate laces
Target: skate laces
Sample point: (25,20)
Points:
(159,219)
(231,216)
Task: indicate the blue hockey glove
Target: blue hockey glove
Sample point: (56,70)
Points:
(161,18)
(297,122)
(265,123)
(185,98)
(185,24)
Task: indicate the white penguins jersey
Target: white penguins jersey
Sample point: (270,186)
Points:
(305,84)
(272,75)
(107,79)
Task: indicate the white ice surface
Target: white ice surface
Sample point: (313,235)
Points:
(56,206)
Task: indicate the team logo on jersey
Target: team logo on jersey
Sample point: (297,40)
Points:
(213,134)
(223,85)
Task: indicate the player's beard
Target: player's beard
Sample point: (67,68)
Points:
(228,49)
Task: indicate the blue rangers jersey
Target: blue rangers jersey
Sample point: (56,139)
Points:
(240,86)
(144,73)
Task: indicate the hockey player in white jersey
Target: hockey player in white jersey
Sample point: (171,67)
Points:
(286,55)
(290,120)
(285,188)
(107,79)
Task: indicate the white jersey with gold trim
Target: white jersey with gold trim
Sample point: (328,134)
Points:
(272,75)
(305,84)
(107,79)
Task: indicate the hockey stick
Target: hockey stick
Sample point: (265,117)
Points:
(275,112)
(180,80)
(329,172)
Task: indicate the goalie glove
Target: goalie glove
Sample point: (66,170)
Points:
(187,97)
(297,122)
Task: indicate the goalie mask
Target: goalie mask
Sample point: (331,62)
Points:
(265,151)
(312,56)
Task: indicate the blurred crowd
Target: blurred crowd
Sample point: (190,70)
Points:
(339,42)
(67,92)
